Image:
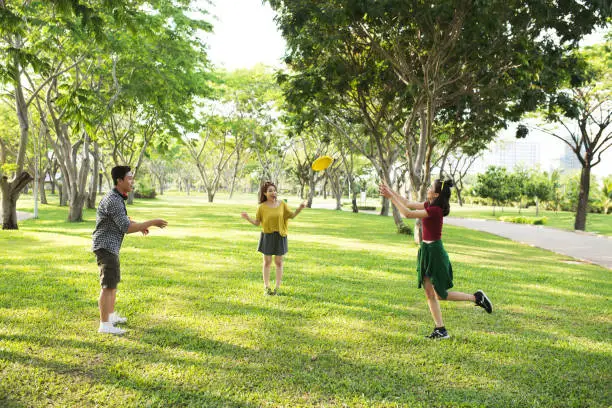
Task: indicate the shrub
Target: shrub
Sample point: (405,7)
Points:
(525,220)
(405,229)
(144,190)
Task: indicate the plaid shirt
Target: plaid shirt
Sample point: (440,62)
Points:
(112,223)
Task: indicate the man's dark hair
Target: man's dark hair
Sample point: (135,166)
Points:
(119,172)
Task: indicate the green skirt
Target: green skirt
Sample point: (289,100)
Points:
(433,262)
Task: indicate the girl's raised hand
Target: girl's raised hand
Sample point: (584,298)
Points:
(303,205)
(244,215)
(384,190)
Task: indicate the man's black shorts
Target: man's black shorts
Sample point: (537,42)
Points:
(110,273)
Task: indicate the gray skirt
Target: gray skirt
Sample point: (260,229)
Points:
(272,244)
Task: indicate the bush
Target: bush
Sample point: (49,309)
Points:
(144,190)
(525,220)
(405,229)
(366,207)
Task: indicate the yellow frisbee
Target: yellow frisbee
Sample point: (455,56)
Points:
(322,163)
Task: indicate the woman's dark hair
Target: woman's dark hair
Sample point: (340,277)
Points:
(263,190)
(443,188)
(119,172)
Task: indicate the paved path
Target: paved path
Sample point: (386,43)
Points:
(583,246)
(24,215)
(20,215)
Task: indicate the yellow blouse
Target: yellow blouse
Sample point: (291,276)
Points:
(274,219)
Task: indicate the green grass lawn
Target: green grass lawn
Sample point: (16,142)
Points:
(348,329)
(596,223)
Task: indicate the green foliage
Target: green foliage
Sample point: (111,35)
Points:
(8,168)
(406,230)
(497,184)
(540,186)
(525,220)
(570,189)
(521,131)
(144,190)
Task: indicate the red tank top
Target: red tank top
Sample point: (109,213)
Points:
(432,224)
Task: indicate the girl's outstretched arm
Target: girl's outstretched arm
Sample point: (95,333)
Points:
(400,203)
(249,219)
(388,192)
(299,209)
(406,212)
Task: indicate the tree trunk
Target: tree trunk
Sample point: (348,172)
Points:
(23,116)
(384,209)
(161,185)
(78,185)
(63,193)
(537,206)
(459,199)
(397,217)
(75,212)
(583,199)
(418,231)
(338,194)
(234,174)
(10,194)
(91,197)
(211,194)
(41,188)
(354,201)
(311,191)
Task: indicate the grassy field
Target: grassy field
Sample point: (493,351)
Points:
(347,330)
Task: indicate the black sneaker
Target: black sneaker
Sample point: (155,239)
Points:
(269,292)
(483,301)
(439,333)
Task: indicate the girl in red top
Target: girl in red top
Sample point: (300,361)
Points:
(435,272)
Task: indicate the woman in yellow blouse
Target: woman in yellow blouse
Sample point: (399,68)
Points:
(273,216)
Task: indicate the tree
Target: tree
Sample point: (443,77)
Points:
(606,195)
(153,78)
(495,183)
(306,148)
(583,111)
(26,30)
(361,102)
(473,61)
(459,163)
(211,152)
(539,186)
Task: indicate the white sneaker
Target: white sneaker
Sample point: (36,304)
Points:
(110,329)
(114,318)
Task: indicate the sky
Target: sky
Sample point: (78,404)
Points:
(245,34)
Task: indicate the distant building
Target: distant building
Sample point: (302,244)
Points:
(568,161)
(508,154)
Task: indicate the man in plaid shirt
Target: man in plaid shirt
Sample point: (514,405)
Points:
(112,223)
